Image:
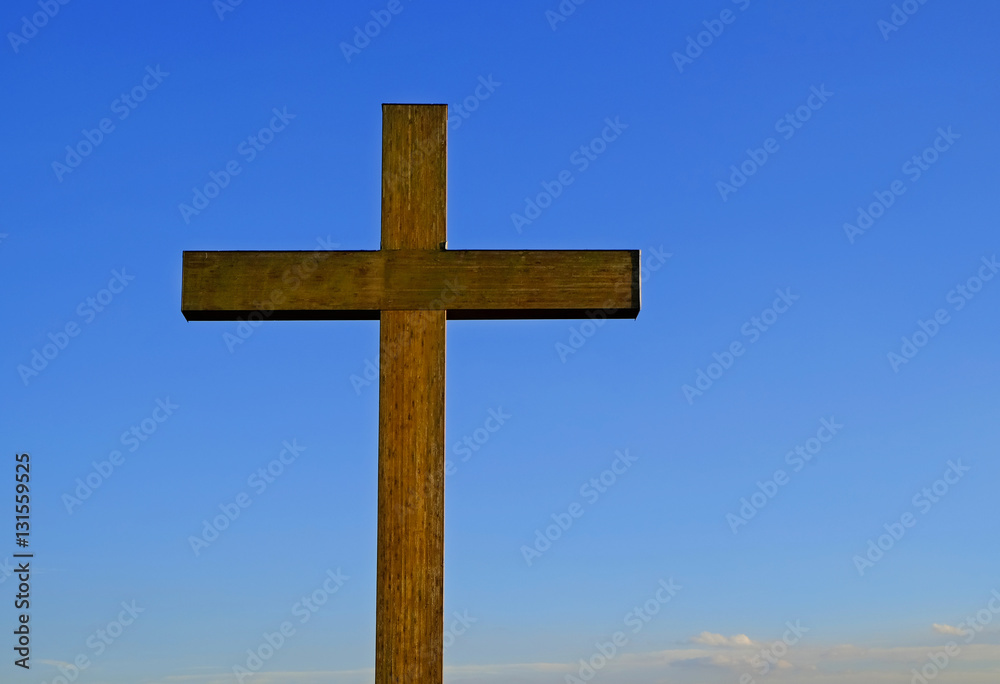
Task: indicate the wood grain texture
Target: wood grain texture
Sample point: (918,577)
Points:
(414,176)
(409,639)
(474,284)
(409,610)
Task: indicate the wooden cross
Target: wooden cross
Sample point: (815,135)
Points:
(412,285)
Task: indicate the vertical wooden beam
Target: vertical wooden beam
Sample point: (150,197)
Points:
(409,620)
(414,176)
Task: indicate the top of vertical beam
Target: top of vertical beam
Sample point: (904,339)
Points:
(414,176)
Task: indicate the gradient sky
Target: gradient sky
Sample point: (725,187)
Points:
(220,72)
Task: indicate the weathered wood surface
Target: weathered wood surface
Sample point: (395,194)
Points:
(473,284)
(409,603)
(414,176)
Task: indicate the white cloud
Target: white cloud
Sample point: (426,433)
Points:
(735,641)
(54,663)
(948,629)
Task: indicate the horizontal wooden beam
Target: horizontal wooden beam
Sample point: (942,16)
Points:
(469,284)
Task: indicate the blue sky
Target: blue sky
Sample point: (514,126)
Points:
(775,317)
